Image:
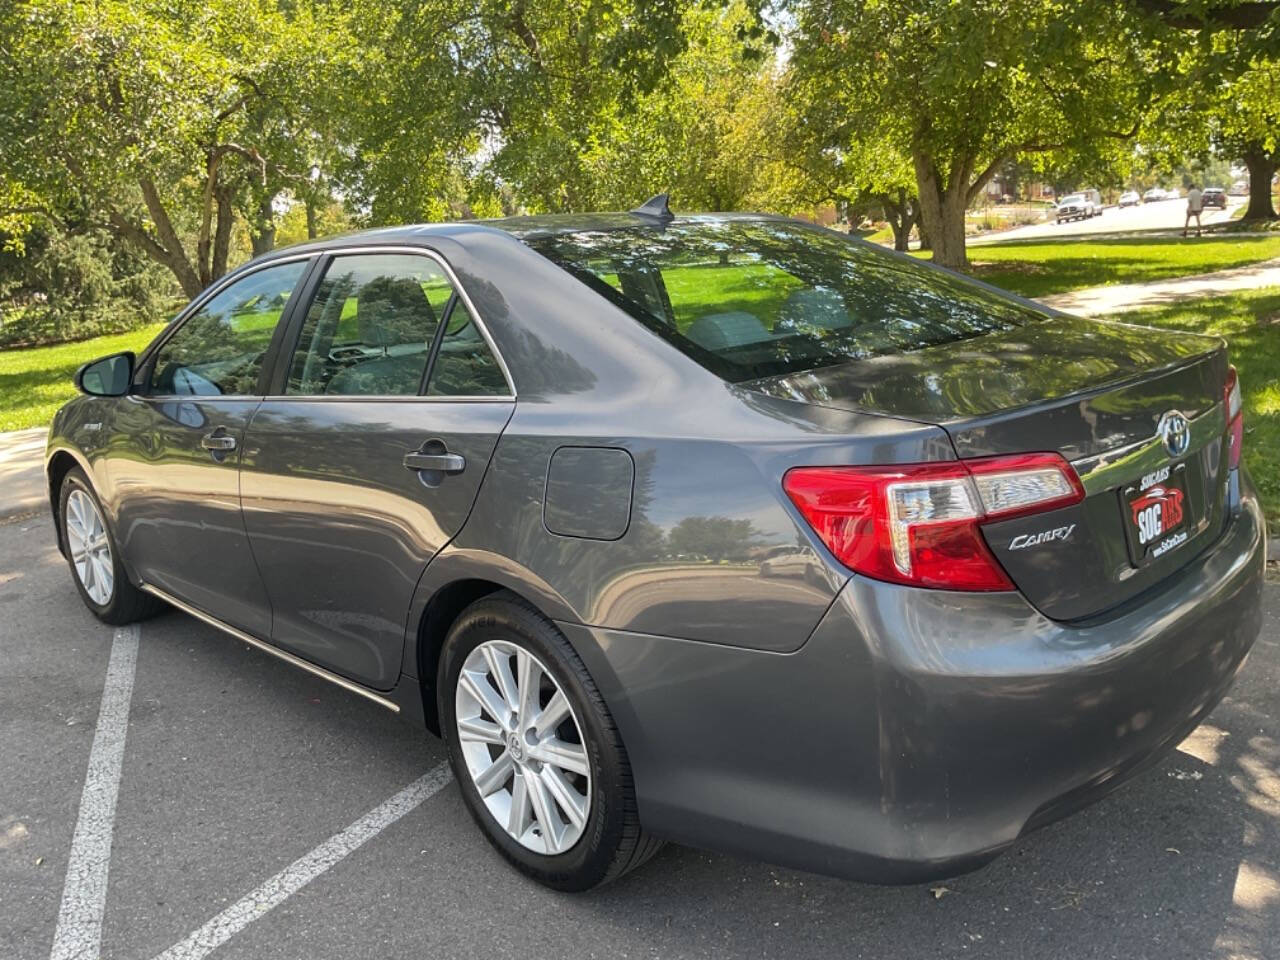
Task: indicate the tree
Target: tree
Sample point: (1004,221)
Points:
(58,285)
(1227,104)
(856,173)
(158,121)
(961,88)
(1247,126)
(702,134)
(491,105)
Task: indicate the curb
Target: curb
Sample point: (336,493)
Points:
(20,516)
(19,509)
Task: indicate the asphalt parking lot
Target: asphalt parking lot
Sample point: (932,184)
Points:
(262,814)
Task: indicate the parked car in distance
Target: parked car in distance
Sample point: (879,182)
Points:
(1130,198)
(1239,189)
(1214,197)
(832,577)
(1076,206)
(1154,194)
(790,561)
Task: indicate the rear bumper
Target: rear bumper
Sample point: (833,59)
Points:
(918,733)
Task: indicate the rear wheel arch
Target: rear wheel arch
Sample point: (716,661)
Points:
(453,581)
(446,604)
(442,610)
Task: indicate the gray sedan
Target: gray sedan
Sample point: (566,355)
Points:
(725,530)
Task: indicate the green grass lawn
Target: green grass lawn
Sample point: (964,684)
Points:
(756,288)
(1250,322)
(1037,268)
(36,381)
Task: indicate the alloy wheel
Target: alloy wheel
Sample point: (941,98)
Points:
(523,747)
(90,548)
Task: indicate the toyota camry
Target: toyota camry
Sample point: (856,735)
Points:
(726,530)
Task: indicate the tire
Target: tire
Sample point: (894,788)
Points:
(79,510)
(609,842)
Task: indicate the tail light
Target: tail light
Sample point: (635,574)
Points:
(919,524)
(1235,417)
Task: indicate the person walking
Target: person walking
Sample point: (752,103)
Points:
(1195,203)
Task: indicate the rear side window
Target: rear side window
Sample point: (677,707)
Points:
(390,325)
(220,348)
(464,365)
(370,327)
(758,298)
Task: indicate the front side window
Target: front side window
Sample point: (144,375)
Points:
(759,298)
(370,329)
(219,349)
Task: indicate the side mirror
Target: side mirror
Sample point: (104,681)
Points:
(107,377)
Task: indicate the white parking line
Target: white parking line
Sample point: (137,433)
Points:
(78,935)
(306,868)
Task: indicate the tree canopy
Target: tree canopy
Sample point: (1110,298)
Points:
(158,122)
(199,132)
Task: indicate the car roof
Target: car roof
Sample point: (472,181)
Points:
(522,228)
(561,223)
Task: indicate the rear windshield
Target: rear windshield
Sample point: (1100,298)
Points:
(759,298)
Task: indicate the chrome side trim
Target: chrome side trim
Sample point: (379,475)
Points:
(390,398)
(265,647)
(1121,465)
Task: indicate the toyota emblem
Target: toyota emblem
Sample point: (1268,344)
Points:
(1175,432)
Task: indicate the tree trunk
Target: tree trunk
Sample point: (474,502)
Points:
(899,234)
(901,214)
(942,208)
(312,227)
(175,261)
(166,248)
(222,235)
(263,235)
(1261,169)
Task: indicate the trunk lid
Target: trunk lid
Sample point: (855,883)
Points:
(1096,393)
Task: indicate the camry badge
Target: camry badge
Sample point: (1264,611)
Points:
(1024,540)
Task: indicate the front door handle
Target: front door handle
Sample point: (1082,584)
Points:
(442,462)
(218,441)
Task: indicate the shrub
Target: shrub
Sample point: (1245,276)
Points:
(59,286)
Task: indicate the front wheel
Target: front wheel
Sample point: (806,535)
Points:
(540,763)
(94,558)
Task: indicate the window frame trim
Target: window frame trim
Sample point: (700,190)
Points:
(297,317)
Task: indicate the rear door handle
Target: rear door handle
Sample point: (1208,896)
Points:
(443,462)
(217,441)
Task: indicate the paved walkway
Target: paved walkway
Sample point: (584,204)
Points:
(1144,220)
(1101,301)
(22,487)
